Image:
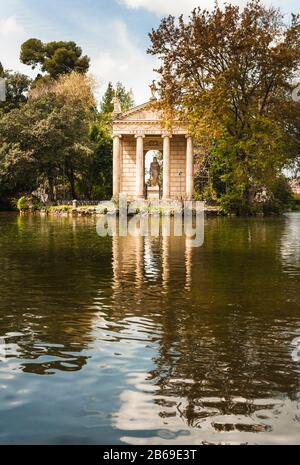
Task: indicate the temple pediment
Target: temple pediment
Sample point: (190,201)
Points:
(146,119)
(144,112)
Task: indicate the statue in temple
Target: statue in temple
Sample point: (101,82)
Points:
(154,173)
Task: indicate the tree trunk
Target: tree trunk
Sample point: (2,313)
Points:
(71,178)
(50,189)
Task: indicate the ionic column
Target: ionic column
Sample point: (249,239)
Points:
(140,166)
(166,164)
(116,164)
(189,168)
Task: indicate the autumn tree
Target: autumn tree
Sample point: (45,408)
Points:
(48,138)
(228,73)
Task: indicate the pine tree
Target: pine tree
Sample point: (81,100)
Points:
(107,105)
(125,97)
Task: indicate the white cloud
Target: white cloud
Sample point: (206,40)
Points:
(12,35)
(175,7)
(10,27)
(124,61)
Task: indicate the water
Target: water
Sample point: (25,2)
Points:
(146,341)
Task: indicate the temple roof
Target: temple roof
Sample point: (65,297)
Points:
(145,119)
(143,112)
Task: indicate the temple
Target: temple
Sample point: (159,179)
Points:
(139,133)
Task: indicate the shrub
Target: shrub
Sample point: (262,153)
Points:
(233,202)
(23,203)
(282,192)
(273,207)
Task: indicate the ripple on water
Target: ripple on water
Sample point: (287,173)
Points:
(145,341)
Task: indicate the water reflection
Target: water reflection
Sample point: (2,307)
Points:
(43,322)
(217,370)
(290,243)
(147,340)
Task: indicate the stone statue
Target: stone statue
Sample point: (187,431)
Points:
(153,89)
(117,105)
(154,173)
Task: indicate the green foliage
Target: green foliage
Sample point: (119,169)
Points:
(246,172)
(44,139)
(17,86)
(230,78)
(125,97)
(97,180)
(54,58)
(106,104)
(56,142)
(23,204)
(60,209)
(281,190)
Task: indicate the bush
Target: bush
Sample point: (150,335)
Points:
(282,192)
(233,202)
(271,200)
(31,203)
(23,204)
(273,207)
(38,206)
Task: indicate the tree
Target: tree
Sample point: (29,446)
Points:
(99,172)
(125,97)
(106,104)
(95,181)
(56,139)
(47,139)
(54,58)
(17,87)
(228,72)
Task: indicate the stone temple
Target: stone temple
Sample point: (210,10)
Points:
(138,134)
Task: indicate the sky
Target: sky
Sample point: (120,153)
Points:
(113,33)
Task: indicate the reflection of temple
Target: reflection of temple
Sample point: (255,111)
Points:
(141,261)
(290,244)
(171,342)
(215,370)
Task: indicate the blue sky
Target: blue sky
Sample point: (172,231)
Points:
(114,33)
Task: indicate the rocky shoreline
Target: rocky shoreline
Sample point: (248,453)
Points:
(100,210)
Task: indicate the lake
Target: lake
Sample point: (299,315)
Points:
(131,340)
